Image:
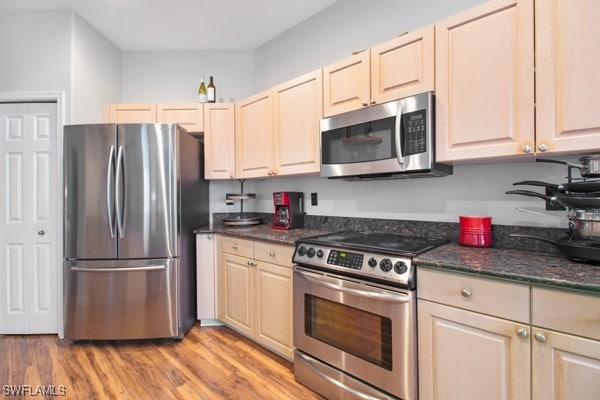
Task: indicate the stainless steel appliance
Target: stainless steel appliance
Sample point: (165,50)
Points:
(354,306)
(390,140)
(289,212)
(133,193)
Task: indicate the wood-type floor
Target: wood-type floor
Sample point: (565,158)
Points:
(209,363)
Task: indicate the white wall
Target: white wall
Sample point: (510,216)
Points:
(34,52)
(174,76)
(96,73)
(333,34)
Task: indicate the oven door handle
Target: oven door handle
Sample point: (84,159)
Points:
(393,298)
(341,385)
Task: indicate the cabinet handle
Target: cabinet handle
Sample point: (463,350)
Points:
(365,104)
(466,293)
(41,233)
(249,262)
(272,253)
(234,246)
(522,333)
(231,176)
(526,148)
(540,337)
(373,101)
(543,148)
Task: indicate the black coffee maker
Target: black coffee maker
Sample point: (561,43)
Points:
(288,210)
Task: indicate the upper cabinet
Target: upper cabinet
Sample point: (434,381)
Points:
(395,69)
(219,141)
(131,113)
(485,82)
(346,84)
(188,115)
(567,84)
(254,136)
(297,112)
(403,66)
(277,131)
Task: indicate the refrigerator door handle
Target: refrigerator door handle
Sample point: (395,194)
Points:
(119,202)
(110,184)
(124,269)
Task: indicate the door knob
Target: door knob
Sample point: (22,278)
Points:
(41,233)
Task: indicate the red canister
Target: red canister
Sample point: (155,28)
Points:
(475,231)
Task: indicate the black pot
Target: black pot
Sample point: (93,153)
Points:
(578,250)
(589,167)
(582,187)
(579,201)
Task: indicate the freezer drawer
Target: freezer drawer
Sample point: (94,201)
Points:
(129,299)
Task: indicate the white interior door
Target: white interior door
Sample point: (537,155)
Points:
(28,220)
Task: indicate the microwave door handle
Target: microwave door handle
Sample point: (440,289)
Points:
(399,136)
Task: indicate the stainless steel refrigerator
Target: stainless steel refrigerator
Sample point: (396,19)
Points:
(133,194)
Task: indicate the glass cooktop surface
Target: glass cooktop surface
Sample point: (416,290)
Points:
(385,242)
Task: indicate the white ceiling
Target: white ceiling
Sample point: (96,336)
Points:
(184,24)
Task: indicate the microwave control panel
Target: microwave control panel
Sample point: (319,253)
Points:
(415,132)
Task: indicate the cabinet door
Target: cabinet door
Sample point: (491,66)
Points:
(254,136)
(297,112)
(485,82)
(403,66)
(236,292)
(273,304)
(219,141)
(188,115)
(132,113)
(346,84)
(567,84)
(564,366)
(470,356)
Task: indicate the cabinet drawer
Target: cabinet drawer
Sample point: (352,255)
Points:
(487,296)
(566,312)
(273,253)
(237,246)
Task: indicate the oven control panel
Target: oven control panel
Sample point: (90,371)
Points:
(369,265)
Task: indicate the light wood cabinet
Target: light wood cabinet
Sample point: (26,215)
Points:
(566,345)
(346,84)
(471,356)
(473,337)
(466,351)
(403,66)
(132,113)
(254,136)
(395,69)
(189,115)
(485,82)
(297,112)
(277,131)
(254,281)
(567,84)
(219,141)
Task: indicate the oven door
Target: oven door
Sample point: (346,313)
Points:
(364,330)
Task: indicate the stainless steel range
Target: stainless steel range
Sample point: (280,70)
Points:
(355,314)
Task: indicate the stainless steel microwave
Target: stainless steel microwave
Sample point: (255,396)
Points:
(389,140)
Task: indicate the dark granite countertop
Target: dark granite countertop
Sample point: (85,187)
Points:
(541,267)
(516,265)
(261,232)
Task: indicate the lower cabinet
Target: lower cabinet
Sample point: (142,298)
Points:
(468,346)
(472,346)
(254,281)
(565,345)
